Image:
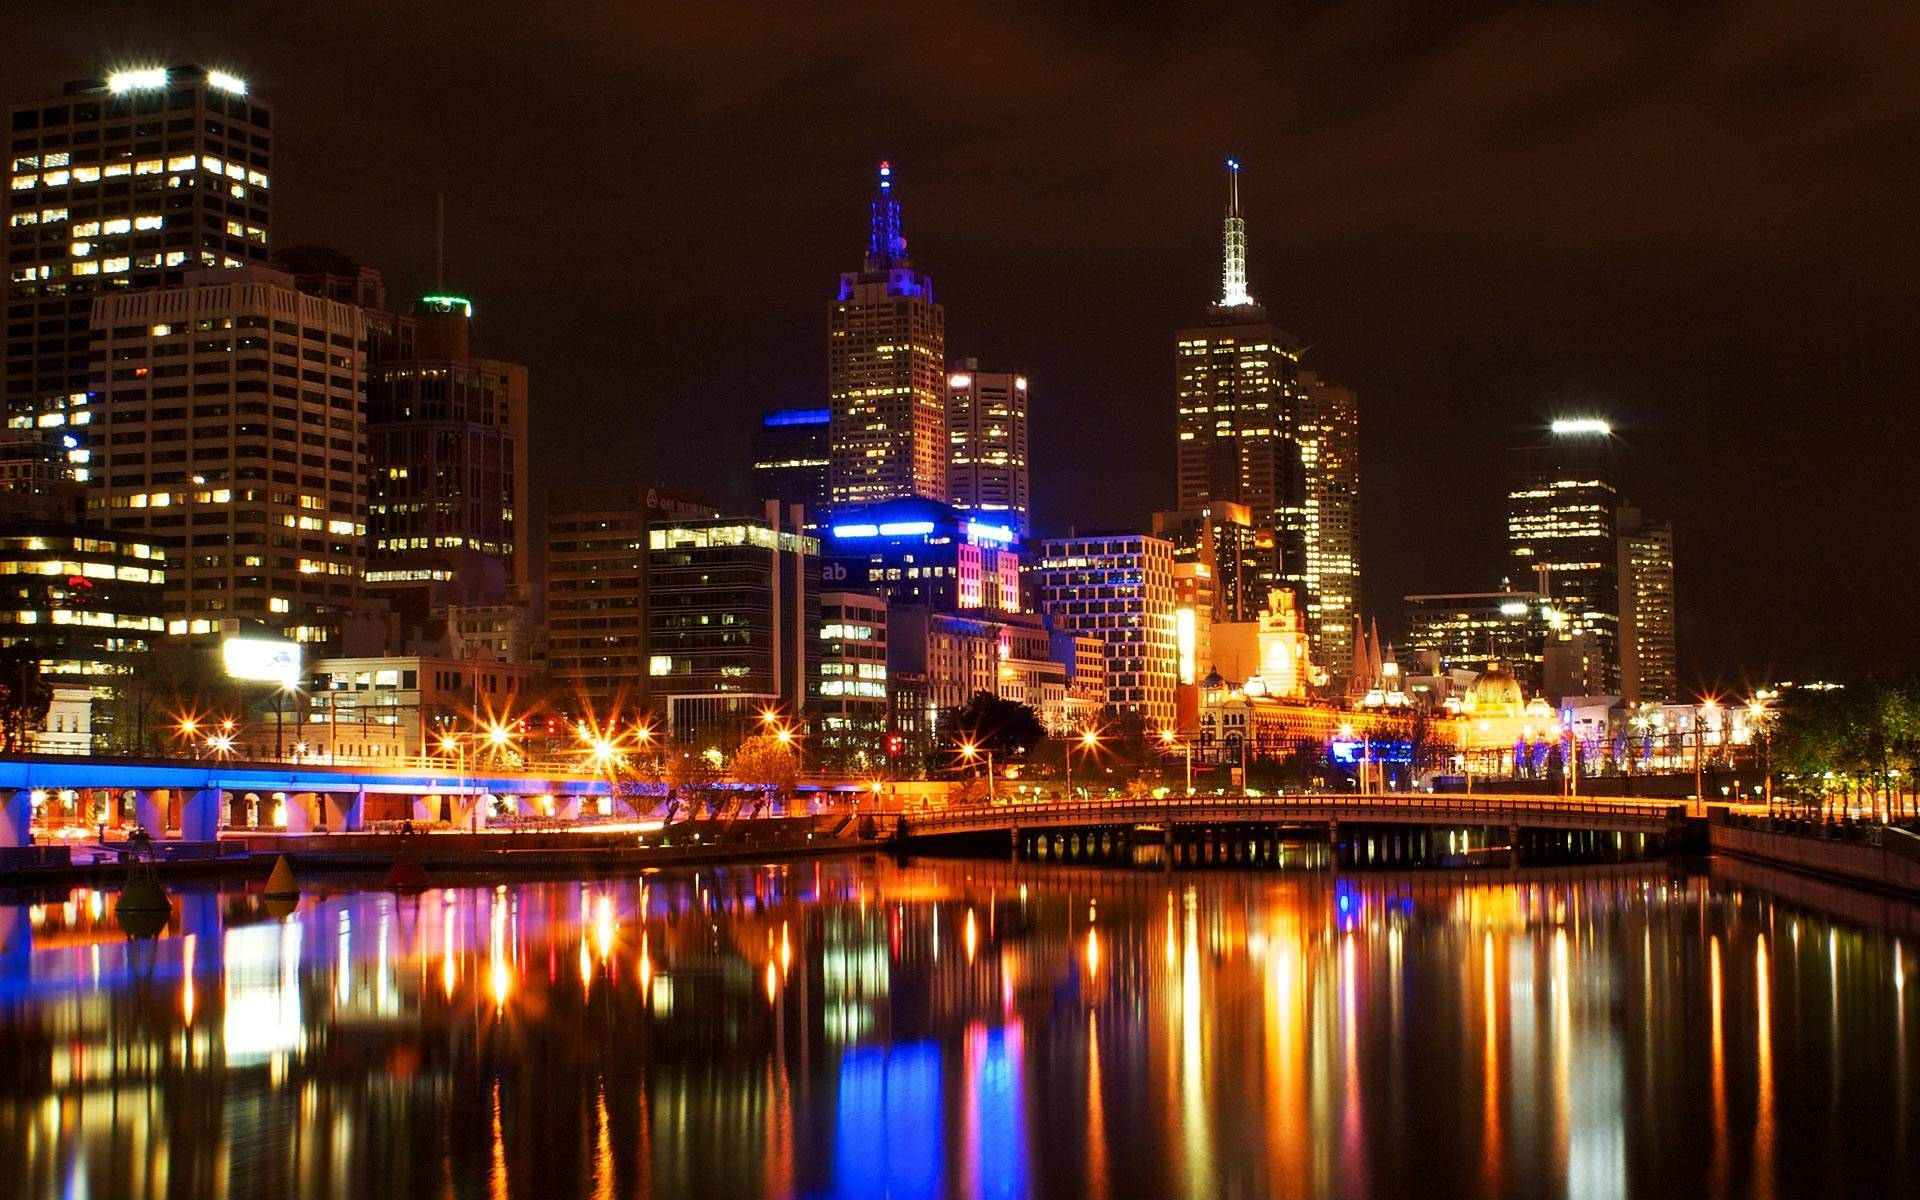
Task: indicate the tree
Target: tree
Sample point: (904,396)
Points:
(24,696)
(765,761)
(1005,729)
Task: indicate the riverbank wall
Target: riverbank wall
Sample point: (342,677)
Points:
(1885,858)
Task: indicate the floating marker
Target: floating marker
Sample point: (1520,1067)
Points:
(280,884)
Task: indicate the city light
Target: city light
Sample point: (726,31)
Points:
(1581,426)
(138,80)
(227,83)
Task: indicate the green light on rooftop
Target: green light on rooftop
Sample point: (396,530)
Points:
(449,303)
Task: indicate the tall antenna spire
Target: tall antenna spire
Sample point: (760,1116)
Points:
(1233,274)
(440,242)
(886,246)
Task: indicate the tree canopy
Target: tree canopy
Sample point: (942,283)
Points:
(1006,729)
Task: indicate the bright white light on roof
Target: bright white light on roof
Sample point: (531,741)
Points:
(905,528)
(1582,425)
(960,381)
(1513,608)
(227,83)
(981,531)
(129,81)
(854,531)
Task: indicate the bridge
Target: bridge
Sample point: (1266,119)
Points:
(1326,812)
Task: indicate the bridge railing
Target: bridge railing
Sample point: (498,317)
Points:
(1499,808)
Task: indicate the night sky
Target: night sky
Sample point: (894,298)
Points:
(1702,224)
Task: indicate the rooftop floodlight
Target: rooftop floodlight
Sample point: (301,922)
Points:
(1581,427)
(138,79)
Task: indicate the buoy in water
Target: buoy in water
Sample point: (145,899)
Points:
(280,884)
(405,875)
(143,909)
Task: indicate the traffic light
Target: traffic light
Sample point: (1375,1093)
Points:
(896,745)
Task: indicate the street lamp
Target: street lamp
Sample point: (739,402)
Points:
(1089,741)
(969,753)
(1168,739)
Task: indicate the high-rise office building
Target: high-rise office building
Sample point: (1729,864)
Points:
(987,444)
(733,621)
(1562,501)
(1237,435)
(920,552)
(1119,587)
(1327,429)
(447,432)
(886,371)
(1648,670)
(228,427)
(1473,630)
(851,726)
(597,589)
(1221,537)
(121,183)
(790,459)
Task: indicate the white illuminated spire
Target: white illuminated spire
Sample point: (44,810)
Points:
(1233,275)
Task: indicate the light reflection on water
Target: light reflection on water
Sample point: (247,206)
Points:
(858,1028)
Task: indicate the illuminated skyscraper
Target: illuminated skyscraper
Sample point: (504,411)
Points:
(231,431)
(1236,375)
(1119,588)
(1327,425)
(790,459)
(987,443)
(124,182)
(447,431)
(1647,662)
(886,371)
(1561,506)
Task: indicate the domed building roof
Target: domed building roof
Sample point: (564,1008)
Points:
(1496,693)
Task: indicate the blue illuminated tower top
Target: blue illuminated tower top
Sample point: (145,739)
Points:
(886,245)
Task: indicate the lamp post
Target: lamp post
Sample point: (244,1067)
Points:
(1089,740)
(970,753)
(1167,738)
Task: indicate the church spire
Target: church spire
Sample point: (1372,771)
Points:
(1233,274)
(886,245)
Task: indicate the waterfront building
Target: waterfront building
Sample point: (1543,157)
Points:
(733,621)
(987,472)
(914,551)
(1562,502)
(393,708)
(790,456)
(1084,658)
(1220,536)
(597,597)
(447,433)
(122,182)
(1237,424)
(1118,587)
(81,601)
(1268,656)
(1029,673)
(886,371)
(850,725)
(1648,670)
(1472,630)
(936,661)
(1327,430)
(227,426)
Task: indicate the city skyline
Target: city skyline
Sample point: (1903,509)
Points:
(1539,336)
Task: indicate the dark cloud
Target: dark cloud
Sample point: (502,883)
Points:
(1699,218)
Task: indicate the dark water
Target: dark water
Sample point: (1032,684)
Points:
(971,1029)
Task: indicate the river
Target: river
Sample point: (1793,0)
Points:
(861,1027)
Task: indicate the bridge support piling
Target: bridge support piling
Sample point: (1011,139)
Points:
(16,818)
(200,816)
(149,813)
(1513,845)
(353,812)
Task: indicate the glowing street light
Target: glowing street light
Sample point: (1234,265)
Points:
(1089,742)
(1169,739)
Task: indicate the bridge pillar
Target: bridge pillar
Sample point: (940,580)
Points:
(299,816)
(16,817)
(200,816)
(567,807)
(149,814)
(526,806)
(1513,845)
(426,809)
(353,812)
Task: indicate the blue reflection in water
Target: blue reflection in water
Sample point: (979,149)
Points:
(887,1132)
(994,1060)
